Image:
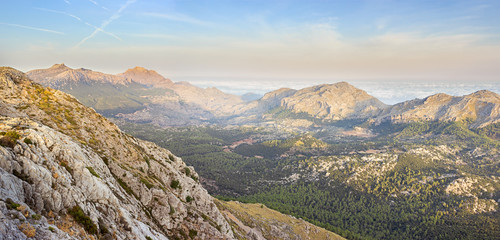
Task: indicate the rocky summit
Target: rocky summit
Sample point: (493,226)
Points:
(147,77)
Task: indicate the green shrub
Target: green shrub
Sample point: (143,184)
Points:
(125,187)
(194,178)
(187,171)
(172,210)
(52,229)
(7,141)
(92,171)
(174,184)
(77,213)
(105,160)
(65,165)
(36,216)
(192,233)
(189,199)
(102,228)
(28,141)
(11,204)
(147,183)
(13,134)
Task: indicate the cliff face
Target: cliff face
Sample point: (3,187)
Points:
(58,156)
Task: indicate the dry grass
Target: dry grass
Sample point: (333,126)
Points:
(263,217)
(27,229)
(24,210)
(65,224)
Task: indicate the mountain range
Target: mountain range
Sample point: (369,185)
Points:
(66,172)
(331,154)
(144,96)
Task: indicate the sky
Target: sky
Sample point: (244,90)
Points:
(271,43)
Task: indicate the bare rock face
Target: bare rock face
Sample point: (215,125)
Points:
(482,107)
(57,156)
(334,102)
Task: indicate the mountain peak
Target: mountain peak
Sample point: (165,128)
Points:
(59,66)
(147,77)
(138,69)
(484,94)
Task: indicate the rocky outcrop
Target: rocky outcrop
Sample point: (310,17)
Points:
(59,158)
(481,107)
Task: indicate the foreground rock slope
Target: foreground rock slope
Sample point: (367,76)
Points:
(59,158)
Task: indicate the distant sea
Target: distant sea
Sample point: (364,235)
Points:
(389,92)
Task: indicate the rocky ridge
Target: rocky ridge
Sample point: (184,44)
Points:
(144,96)
(58,156)
(139,94)
(482,107)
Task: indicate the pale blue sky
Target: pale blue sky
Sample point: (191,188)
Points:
(332,40)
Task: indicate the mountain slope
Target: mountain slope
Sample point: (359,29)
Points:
(104,92)
(481,107)
(58,157)
(139,95)
(147,77)
(334,102)
(256,221)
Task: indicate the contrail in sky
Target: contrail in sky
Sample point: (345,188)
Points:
(79,19)
(32,28)
(115,16)
(97,4)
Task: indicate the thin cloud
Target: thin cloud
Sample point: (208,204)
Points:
(66,1)
(60,12)
(115,16)
(79,19)
(32,28)
(177,17)
(97,4)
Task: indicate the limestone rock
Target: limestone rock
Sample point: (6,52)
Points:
(67,155)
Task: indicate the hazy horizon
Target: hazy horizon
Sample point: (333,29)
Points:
(379,40)
(388,91)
